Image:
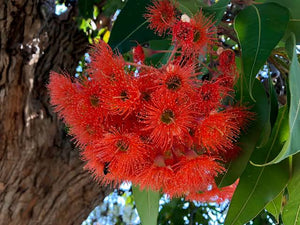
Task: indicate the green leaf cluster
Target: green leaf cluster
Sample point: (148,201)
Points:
(265,181)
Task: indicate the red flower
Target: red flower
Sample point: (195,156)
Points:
(214,194)
(157,176)
(63,93)
(218,131)
(241,115)
(122,97)
(161,128)
(167,118)
(194,35)
(147,83)
(204,32)
(125,153)
(138,54)
(227,61)
(161,16)
(210,97)
(193,174)
(177,79)
(228,68)
(229,154)
(98,169)
(105,67)
(183,34)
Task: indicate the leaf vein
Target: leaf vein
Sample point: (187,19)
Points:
(297,112)
(297,214)
(260,174)
(121,42)
(256,52)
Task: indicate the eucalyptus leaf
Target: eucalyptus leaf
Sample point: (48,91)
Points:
(147,203)
(275,206)
(131,27)
(257,187)
(291,211)
(292,145)
(279,137)
(259,29)
(260,185)
(294,24)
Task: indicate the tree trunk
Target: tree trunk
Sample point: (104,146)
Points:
(41,175)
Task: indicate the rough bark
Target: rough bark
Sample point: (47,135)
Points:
(41,175)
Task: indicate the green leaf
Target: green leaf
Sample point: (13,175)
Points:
(279,137)
(217,10)
(147,205)
(294,23)
(256,188)
(292,145)
(260,185)
(131,27)
(275,206)
(159,58)
(189,7)
(86,8)
(259,29)
(291,211)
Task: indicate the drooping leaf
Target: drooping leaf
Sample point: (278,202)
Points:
(294,23)
(254,56)
(260,185)
(292,145)
(131,27)
(259,29)
(291,211)
(147,205)
(275,206)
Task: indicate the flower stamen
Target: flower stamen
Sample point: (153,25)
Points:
(167,116)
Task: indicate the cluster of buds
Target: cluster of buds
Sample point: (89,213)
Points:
(160,128)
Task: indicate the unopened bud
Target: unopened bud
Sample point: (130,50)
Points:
(185,18)
(170,68)
(220,50)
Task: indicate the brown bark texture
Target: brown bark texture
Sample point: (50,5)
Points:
(42,180)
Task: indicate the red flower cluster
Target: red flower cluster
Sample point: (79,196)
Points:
(161,128)
(192,35)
